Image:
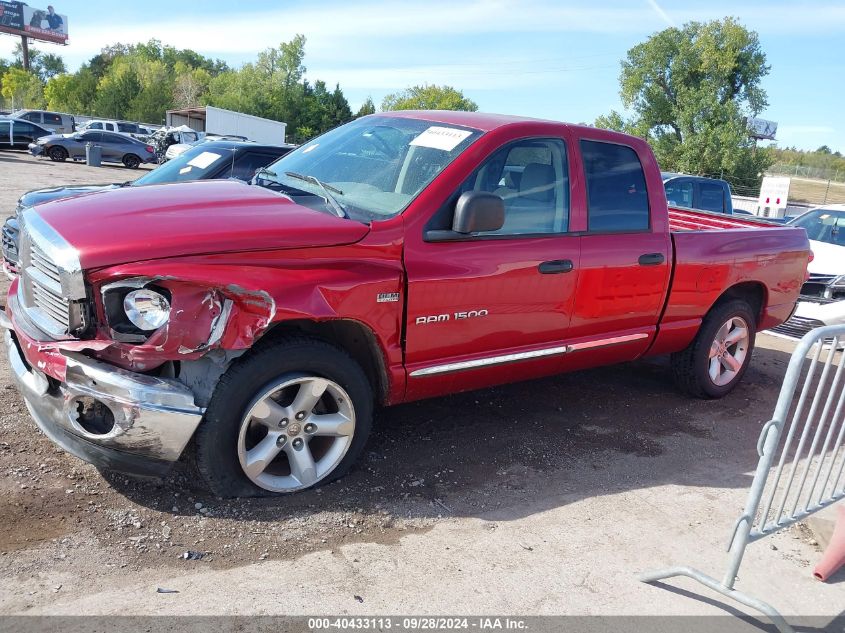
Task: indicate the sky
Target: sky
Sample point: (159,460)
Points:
(555,59)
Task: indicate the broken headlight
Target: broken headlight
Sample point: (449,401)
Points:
(135,308)
(147,309)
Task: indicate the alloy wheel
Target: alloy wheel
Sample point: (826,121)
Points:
(728,351)
(295,433)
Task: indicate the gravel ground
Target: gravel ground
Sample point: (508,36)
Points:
(466,503)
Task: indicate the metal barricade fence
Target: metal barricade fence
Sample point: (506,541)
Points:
(808,434)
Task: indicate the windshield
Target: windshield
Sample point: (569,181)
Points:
(194,164)
(374,166)
(823,225)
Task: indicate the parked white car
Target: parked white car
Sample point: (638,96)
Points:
(822,300)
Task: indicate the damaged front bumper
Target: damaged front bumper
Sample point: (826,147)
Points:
(113,418)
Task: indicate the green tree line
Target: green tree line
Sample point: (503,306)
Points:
(139,82)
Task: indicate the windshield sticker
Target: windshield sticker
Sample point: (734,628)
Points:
(203,160)
(445,138)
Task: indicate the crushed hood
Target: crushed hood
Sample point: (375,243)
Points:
(40,196)
(157,221)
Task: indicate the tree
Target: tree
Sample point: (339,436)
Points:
(688,90)
(428,97)
(22,89)
(45,65)
(190,85)
(368,107)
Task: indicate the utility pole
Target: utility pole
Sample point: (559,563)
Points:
(25,52)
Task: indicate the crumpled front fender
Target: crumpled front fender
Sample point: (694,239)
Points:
(203,316)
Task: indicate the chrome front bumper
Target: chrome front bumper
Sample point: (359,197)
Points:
(154,418)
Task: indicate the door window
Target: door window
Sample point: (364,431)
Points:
(96,126)
(91,137)
(246,164)
(617,199)
(35,117)
(5,131)
(679,193)
(52,119)
(532,177)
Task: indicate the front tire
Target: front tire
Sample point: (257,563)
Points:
(292,415)
(57,154)
(714,363)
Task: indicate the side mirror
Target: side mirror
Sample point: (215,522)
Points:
(478,212)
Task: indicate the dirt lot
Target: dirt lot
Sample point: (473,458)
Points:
(545,497)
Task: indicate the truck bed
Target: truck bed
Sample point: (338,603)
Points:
(681,219)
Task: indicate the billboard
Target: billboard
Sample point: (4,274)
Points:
(18,18)
(761,128)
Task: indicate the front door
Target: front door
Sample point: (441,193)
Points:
(498,298)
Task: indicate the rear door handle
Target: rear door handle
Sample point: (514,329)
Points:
(651,259)
(556,266)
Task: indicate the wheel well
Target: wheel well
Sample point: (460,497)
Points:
(753,292)
(355,338)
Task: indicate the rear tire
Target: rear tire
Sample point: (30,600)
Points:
(261,435)
(714,363)
(57,154)
(131,161)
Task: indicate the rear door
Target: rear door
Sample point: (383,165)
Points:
(496,297)
(116,146)
(5,134)
(625,256)
(24,133)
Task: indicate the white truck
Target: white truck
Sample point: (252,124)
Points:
(220,122)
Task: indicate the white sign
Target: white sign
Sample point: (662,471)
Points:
(445,138)
(203,160)
(774,194)
(761,128)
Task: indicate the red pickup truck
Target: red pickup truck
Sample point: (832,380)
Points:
(401,256)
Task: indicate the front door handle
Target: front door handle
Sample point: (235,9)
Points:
(556,266)
(651,259)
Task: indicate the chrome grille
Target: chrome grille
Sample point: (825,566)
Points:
(797,326)
(42,262)
(51,288)
(10,242)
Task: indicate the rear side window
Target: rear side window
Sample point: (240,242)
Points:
(617,199)
(52,119)
(712,197)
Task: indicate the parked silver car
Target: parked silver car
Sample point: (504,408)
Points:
(116,147)
(58,122)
